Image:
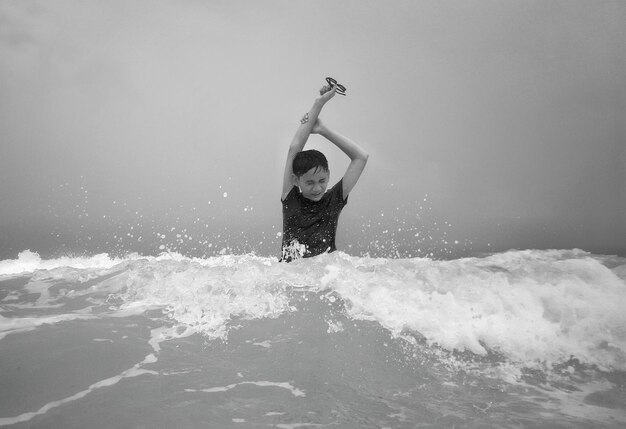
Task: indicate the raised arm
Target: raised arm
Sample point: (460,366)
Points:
(302,135)
(358,156)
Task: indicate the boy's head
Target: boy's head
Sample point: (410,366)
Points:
(310,169)
(308,159)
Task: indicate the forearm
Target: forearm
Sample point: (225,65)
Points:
(303,132)
(347,146)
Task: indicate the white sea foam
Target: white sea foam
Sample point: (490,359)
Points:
(13,325)
(530,306)
(294,391)
(157,335)
(302,425)
(202,296)
(28,262)
(135,371)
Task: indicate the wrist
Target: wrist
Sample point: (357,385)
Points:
(323,131)
(320,102)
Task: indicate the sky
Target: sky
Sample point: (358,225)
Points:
(152,125)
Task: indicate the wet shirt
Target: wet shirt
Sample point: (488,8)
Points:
(309,227)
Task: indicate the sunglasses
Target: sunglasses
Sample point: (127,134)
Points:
(339,89)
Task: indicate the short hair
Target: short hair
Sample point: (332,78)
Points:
(308,159)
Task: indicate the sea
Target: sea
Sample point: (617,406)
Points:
(515,339)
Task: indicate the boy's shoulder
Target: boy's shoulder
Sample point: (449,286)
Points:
(333,195)
(293,193)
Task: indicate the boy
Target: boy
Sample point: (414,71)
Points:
(310,214)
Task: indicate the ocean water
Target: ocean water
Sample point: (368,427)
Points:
(519,339)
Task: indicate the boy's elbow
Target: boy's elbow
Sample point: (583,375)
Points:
(296,144)
(294,149)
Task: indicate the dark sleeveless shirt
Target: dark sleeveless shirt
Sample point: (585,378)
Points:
(311,223)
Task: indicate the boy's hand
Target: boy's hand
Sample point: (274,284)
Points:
(318,127)
(327,92)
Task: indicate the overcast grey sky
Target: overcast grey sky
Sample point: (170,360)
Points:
(507,117)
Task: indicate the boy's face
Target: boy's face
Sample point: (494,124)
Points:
(313,183)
